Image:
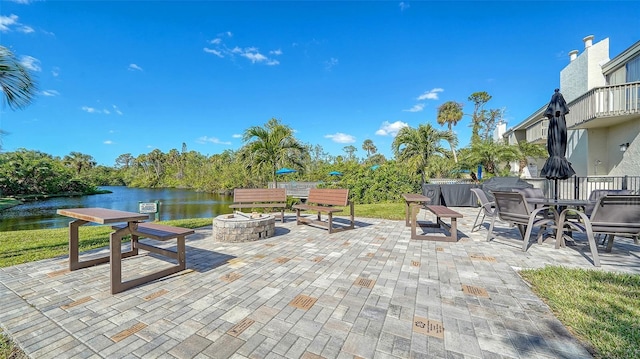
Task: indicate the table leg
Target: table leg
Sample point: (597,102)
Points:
(115,250)
(407,214)
(74,244)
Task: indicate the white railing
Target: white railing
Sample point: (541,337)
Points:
(607,101)
(538,131)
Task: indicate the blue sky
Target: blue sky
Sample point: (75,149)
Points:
(121,77)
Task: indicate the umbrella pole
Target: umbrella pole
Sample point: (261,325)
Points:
(555,189)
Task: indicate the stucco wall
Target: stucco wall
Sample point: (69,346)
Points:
(625,163)
(585,72)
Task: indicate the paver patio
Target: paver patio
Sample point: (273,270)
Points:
(364,293)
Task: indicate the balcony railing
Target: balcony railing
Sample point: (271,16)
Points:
(537,133)
(607,101)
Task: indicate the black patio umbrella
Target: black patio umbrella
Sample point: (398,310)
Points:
(557,166)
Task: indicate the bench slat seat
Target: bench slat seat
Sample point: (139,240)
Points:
(440,212)
(155,231)
(326,200)
(260,198)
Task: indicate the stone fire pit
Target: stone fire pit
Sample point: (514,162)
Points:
(243,227)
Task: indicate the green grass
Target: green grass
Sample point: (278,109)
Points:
(600,308)
(18,247)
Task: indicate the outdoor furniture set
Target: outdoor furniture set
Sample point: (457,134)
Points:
(413,202)
(608,212)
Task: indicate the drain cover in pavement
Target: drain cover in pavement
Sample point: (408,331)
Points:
(128,332)
(479,257)
(365,282)
(76,302)
(439,249)
(156,294)
(303,302)
(240,327)
(429,327)
(473,290)
(230,277)
(415,264)
(318,259)
(282,260)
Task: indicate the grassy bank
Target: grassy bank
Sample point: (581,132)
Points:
(8,203)
(601,309)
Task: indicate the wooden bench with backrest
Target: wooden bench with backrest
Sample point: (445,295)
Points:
(154,231)
(440,212)
(326,200)
(260,198)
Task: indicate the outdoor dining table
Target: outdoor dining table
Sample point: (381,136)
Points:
(413,199)
(109,216)
(559,205)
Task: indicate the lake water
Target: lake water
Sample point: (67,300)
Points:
(174,204)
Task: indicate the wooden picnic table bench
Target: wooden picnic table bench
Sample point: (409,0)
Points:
(440,212)
(155,231)
(260,198)
(325,200)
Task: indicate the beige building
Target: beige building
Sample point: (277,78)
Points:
(603,123)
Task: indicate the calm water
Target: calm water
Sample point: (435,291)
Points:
(174,204)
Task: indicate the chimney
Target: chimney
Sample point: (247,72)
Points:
(588,41)
(573,54)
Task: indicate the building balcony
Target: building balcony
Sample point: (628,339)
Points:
(604,107)
(537,133)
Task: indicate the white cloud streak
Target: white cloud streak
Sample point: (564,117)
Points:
(206,139)
(31,63)
(340,137)
(416,108)
(134,67)
(390,129)
(251,53)
(430,95)
(50,93)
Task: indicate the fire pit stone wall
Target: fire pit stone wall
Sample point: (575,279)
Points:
(243,227)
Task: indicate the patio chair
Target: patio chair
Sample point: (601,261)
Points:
(531,193)
(513,209)
(613,215)
(487,208)
(598,193)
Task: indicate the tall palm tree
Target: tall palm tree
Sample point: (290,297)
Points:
(17,84)
(273,145)
(450,113)
(79,161)
(369,147)
(416,145)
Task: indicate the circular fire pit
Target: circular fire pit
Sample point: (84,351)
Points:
(243,227)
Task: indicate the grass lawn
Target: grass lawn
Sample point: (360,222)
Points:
(602,309)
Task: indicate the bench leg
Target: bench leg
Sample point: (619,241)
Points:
(330,221)
(298,216)
(282,215)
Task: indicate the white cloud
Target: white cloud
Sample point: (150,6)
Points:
(340,137)
(106,112)
(117,110)
(390,129)
(236,135)
(134,67)
(26,29)
(403,5)
(216,41)
(55,72)
(89,109)
(254,56)
(416,108)
(205,139)
(30,63)
(212,51)
(7,21)
(108,142)
(277,52)
(329,64)
(430,95)
(50,93)
(24,2)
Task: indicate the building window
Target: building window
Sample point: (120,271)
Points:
(633,69)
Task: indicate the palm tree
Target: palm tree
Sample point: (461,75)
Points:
(369,147)
(79,161)
(489,154)
(273,145)
(450,113)
(528,150)
(18,86)
(416,145)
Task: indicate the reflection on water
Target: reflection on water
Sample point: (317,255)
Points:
(174,204)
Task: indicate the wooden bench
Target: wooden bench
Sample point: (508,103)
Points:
(440,212)
(260,198)
(145,230)
(324,200)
